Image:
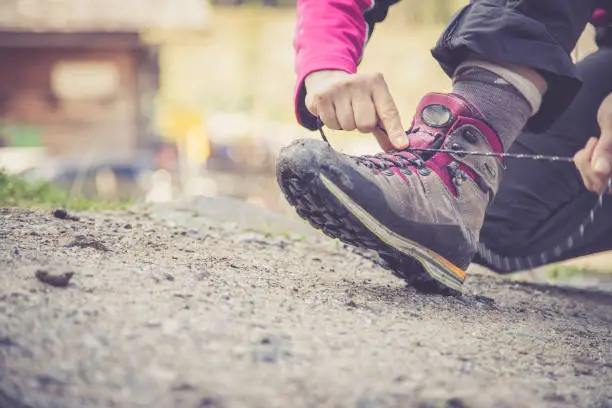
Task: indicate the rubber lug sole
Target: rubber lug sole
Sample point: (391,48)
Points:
(314,202)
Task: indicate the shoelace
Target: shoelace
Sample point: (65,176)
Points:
(383,161)
(508,263)
(400,159)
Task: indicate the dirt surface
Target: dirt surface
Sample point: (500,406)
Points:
(211,303)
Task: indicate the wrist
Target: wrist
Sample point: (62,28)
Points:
(323,76)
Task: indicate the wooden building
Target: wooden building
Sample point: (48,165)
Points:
(77,76)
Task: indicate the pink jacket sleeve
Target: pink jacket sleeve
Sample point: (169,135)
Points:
(331,34)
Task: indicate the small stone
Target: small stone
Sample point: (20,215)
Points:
(60,213)
(250,237)
(210,402)
(169,277)
(454,403)
(57,280)
(270,349)
(82,241)
(6,341)
(183,387)
(265,356)
(127,226)
(49,379)
(202,274)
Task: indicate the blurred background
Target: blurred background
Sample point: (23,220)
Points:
(151,100)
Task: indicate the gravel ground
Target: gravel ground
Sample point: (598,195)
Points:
(212,303)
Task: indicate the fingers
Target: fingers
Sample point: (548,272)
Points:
(601,161)
(368,122)
(361,101)
(345,113)
(582,159)
(594,162)
(365,113)
(388,113)
(322,106)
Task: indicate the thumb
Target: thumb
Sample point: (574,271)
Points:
(602,155)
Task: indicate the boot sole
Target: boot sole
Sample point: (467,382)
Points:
(327,208)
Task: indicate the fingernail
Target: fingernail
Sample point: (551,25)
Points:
(602,166)
(400,141)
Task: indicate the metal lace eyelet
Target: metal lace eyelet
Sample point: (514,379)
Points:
(424,171)
(384,169)
(470,136)
(457,146)
(406,171)
(419,163)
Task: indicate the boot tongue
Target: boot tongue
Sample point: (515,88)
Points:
(435,115)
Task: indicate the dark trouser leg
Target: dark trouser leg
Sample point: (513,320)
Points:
(539,204)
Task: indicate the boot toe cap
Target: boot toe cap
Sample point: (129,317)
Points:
(302,158)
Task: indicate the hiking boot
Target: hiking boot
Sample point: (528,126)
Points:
(421,211)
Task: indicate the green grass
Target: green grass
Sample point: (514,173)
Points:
(563,272)
(15,192)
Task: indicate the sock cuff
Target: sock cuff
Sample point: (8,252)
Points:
(526,88)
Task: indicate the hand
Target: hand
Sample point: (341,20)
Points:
(594,161)
(361,101)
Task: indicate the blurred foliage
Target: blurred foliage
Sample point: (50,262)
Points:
(15,191)
(245,61)
(563,272)
(416,11)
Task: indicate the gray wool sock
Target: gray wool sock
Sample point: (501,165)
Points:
(502,104)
